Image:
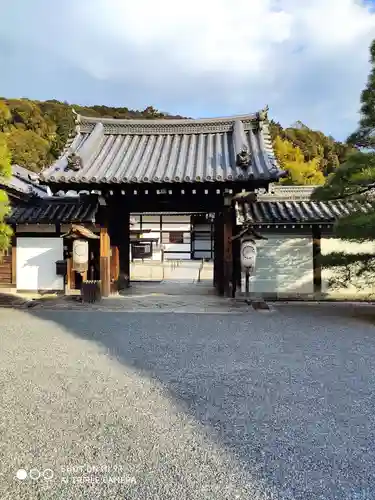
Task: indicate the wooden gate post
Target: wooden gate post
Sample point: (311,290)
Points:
(228,248)
(218,255)
(105,271)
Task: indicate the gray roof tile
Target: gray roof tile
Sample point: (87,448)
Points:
(130,151)
(55,211)
(22,181)
(299,212)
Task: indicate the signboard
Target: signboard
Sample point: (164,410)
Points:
(248,254)
(80,255)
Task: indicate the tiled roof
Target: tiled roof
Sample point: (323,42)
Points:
(137,151)
(299,212)
(280,192)
(22,181)
(56,211)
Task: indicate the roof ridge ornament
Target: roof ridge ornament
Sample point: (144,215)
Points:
(77,117)
(243,157)
(241,148)
(260,118)
(74,162)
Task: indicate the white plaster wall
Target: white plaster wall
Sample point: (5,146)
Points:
(154,219)
(358,287)
(36,268)
(187,238)
(151,222)
(284,266)
(172,251)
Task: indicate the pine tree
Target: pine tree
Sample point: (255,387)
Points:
(364,136)
(355,180)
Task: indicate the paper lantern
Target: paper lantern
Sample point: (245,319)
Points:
(248,254)
(80,255)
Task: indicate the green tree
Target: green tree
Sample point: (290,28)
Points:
(28,149)
(314,145)
(364,136)
(301,172)
(5,116)
(5,174)
(355,181)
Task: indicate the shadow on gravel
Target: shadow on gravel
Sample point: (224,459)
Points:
(10,300)
(289,395)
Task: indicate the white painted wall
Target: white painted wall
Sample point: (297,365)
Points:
(284,266)
(176,223)
(363,287)
(36,268)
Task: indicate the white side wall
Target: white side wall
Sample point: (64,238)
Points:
(176,223)
(284,266)
(36,268)
(360,287)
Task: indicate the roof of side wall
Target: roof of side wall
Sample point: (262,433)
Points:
(147,151)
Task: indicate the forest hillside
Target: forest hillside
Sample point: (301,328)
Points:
(36,132)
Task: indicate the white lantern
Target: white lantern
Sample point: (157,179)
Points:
(248,254)
(80,255)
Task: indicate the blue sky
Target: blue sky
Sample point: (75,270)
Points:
(306,59)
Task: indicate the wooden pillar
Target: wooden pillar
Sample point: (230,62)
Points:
(14,260)
(119,227)
(227,248)
(122,242)
(115,263)
(236,251)
(69,274)
(125,248)
(214,245)
(317,268)
(105,261)
(219,253)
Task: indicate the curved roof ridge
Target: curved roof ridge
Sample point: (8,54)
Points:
(259,115)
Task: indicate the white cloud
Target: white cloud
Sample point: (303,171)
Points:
(307,58)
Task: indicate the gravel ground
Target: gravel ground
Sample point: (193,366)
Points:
(187,406)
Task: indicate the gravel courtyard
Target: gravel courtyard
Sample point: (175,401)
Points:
(186,406)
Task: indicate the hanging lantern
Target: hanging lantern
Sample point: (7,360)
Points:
(248,254)
(80,255)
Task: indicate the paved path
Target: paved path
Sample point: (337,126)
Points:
(184,271)
(184,406)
